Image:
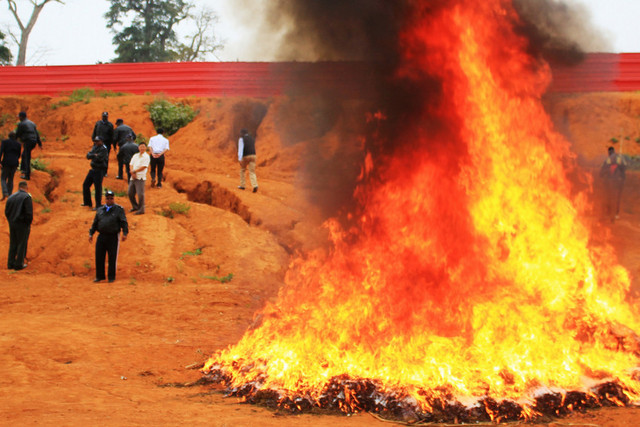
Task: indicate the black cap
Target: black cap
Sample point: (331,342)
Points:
(97,138)
(105,114)
(108,193)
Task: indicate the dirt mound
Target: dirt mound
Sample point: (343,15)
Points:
(204,257)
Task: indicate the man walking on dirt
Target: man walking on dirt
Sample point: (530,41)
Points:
(29,136)
(158,145)
(109,220)
(9,159)
(126,152)
(104,129)
(120,137)
(138,166)
(19,213)
(247,158)
(613,172)
(99,157)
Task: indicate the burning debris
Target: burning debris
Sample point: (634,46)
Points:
(466,272)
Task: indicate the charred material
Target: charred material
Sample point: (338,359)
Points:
(348,395)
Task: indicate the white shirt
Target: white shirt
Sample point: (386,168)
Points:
(138,161)
(158,144)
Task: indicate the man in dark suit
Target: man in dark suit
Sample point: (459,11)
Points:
(29,136)
(121,135)
(9,159)
(99,157)
(104,129)
(19,213)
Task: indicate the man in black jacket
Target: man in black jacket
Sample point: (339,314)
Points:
(99,157)
(104,129)
(29,136)
(125,153)
(9,159)
(120,137)
(19,213)
(109,220)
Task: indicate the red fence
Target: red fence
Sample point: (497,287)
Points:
(598,72)
(255,79)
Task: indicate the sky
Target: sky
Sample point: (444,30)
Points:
(75,33)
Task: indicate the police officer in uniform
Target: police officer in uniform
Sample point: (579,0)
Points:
(110,219)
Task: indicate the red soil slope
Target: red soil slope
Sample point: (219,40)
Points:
(77,353)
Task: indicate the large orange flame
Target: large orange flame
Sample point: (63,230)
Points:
(470,270)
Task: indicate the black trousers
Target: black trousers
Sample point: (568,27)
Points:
(159,164)
(18,238)
(107,244)
(6,179)
(95,177)
(25,165)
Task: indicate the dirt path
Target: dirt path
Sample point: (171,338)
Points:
(76,353)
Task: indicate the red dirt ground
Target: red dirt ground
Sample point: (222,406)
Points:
(76,353)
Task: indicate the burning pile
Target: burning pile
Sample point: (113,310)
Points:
(466,286)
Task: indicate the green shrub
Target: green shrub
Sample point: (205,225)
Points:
(40,165)
(224,279)
(141,138)
(170,117)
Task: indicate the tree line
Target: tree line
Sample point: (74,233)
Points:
(144,31)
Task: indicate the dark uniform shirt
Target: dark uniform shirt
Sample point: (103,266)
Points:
(99,157)
(19,208)
(10,153)
(127,151)
(109,221)
(27,132)
(103,129)
(121,133)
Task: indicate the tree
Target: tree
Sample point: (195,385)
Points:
(5,53)
(25,30)
(203,41)
(150,37)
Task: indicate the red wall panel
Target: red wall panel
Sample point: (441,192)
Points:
(598,72)
(254,79)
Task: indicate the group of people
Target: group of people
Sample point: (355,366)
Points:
(110,220)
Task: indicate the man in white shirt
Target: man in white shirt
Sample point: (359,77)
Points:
(158,145)
(247,158)
(138,166)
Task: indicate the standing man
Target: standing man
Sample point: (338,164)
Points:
(158,145)
(138,166)
(99,157)
(247,157)
(104,129)
(126,152)
(9,159)
(120,137)
(29,136)
(613,172)
(109,220)
(19,213)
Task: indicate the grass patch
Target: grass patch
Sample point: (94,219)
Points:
(174,209)
(84,94)
(46,209)
(40,165)
(5,118)
(223,279)
(196,252)
(170,117)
